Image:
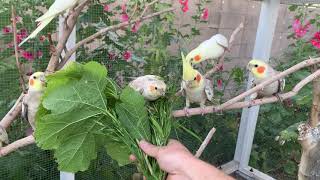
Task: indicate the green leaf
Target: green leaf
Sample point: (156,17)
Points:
(118,151)
(133,114)
(74,113)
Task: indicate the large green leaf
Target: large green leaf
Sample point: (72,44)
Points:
(74,113)
(117,151)
(133,114)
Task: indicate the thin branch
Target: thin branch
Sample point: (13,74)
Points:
(205,142)
(147,7)
(71,21)
(221,59)
(13,113)
(16,145)
(315,109)
(16,52)
(234,104)
(103,31)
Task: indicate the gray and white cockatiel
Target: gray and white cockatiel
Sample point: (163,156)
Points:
(194,86)
(3,136)
(57,8)
(262,71)
(31,100)
(212,48)
(151,87)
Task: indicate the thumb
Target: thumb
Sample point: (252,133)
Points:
(149,149)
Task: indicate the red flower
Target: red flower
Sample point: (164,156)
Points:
(27,55)
(42,38)
(136,27)
(219,83)
(185,5)
(127,55)
(299,29)
(6,30)
(315,41)
(106,8)
(124,17)
(205,14)
(39,54)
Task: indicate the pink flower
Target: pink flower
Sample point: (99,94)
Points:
(205,14)
(6,30)
(39,54)
(23,32)
(124,8)
(219,83)
(124,17)
(27,55)
(10,45)
(185,5)
(127,55)
(136,27)
(18,19)
(106,8)
(299,29)
(42,38)
(315,41)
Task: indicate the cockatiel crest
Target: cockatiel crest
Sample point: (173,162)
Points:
(262,71)
(31,100)
(151,87)
(212,48)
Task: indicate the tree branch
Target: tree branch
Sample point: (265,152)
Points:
(205,142)
(16,52)
(221,59)
(103,31)
(16,145)
(234,104)
(315,109)
(70,23)
(13,113)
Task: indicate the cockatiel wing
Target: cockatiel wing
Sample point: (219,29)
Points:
(221,40)
(3,136)
(24,111)
(282,84)
(208,89)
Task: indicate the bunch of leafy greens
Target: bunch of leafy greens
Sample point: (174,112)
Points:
(82,109)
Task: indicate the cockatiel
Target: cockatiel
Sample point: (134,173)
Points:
(3,136)
(151,87)
(31,100)
(57,8)
(212,48)
(262,71)
(194,86)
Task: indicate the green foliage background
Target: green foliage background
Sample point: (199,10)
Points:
(274,120)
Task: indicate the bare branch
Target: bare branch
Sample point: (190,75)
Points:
(221,59)
(315,109)
(110,28)
(13,113)
(16,52)
(234,104)
(71,21)
(16,145)
(205,142)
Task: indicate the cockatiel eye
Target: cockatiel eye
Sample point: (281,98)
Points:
(256,65)
(34,77)
(195,78)
(156,88)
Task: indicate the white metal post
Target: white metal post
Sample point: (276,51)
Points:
(262,50)
(70,44)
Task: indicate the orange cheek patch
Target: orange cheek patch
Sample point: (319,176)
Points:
(31,83)
(198,78)
(261,69)
(197,58)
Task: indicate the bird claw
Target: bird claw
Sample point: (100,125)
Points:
(186,111)
(251,103)
(202,111)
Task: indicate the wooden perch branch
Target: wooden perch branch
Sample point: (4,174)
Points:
(110,28)
(16,52)
(16,145)
(221,59)
(234,104)
(205,142)
(13,113)
(315,110)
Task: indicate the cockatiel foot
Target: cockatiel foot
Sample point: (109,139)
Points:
(203,111)
(280,99)
(251,103)
(186,111)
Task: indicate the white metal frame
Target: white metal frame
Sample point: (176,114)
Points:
(262,49)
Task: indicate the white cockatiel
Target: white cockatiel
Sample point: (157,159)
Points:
(262,71)
(212,48)
(31,100)
(194,86)
(57,8)
(3,136)
(151,87)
